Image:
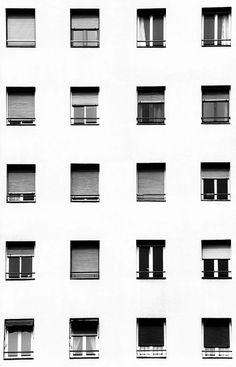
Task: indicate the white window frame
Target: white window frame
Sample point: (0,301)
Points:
(217,353)
(19,354)
(216,29)
(150,42)
(20,268)
(215,189)
(84,354)
(151,351)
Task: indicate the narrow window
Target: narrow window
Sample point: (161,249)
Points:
(85,182)
(84,105)
(215,181)
(150,181)
(151,105)
(151,338)
(150,259)
(21,106)
(20,28)
(84,259)
(21,183)
(18,339)
(151,26)
(216,256)
(84,338)
(215,105)
(216,27)
(20,260)
(84,28)
(216,338)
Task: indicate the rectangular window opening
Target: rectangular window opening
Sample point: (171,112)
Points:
(21,183)
(216,255)
(85,182)
(151,338)
(84,106)
(150,259)
(84,259)
(215,181)
(151,105)
(84,338)
(215,105)
(21,106)
(216,27)
(20,28)
(216,338)
(150,182)
(18,339)
(151,28)
(20,255)
(85,28)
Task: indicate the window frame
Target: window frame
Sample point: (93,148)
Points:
(86,42)
(21,11)
(158,120)
(19,352)
(20,197)
(74,354)
(85,198)
(216,12)
(97,242)
(85,122)
(215,193)
(150,244)
(217,352)
(151,197)
(151,351)
(151,13)
(218,120)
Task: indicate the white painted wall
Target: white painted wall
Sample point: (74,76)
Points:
(117,67)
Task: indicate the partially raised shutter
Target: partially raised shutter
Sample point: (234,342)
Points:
(21,179)
(151,332)
(84,21)
(21,104)
(84,98)
(21,28)
(151,178)
(215,170)
(216,249)
(84,179)
(150,96)
(18,248)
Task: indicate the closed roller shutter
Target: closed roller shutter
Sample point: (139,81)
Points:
(21,179)
(151,179)
(151,332)
(21,28)
(84,180)
(21,104)
(215,170)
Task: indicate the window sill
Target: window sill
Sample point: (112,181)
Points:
(148,278)
(215,123)
(206,278)
(150,123)
(18,279)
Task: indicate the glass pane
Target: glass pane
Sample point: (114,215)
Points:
(222,189)
(222,111)
(26,267)
(209,268)
(25,343)
(12,344)
(209,29)
(91,114)
(158,112)
(77,35)
(90,345)
(144,262)
(208,112)
(79,117)
(223,268)
(77,345)
(14,267)
(92,36)
(158,31)
(144,112)
(208,189)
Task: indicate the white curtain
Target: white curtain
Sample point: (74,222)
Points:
(223,31)
(142,32)
(90,344)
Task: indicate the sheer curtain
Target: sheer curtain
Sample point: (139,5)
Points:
(144,30)
(90,345)
(223,29)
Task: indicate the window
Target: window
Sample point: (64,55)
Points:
(215,181)
(216,338)
(151,105)
(20,260)
(84,104)
(151,338)
(84,259)
(150,183)
(215,105)
(20,183)
(84,182)
(151,28)
(84,338)
(21,106)
(18,339)
(20,28)
(216,27)
(216,259)
(84,28)
(150,259)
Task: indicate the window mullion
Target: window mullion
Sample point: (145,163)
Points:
(216,268)
(151,262)
(151,31)
(215,189)
(216,30)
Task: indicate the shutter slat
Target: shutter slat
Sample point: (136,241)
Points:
(85,258)
(215,170)
(150,96)
(21,180)
(151,180)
